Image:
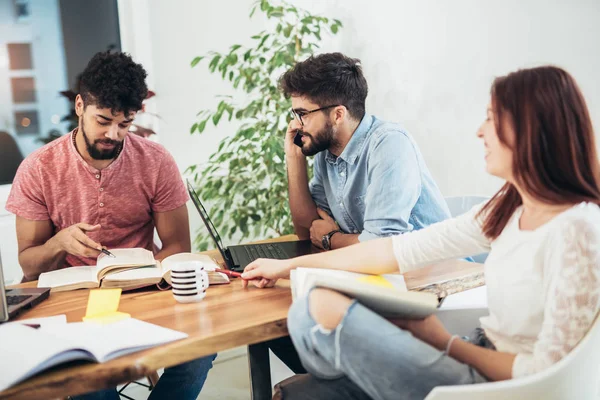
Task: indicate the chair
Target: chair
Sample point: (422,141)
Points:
(10,158)
(459,205)
(577,376)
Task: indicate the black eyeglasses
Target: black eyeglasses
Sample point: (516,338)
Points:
(299,114)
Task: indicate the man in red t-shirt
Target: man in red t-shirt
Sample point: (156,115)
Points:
(101,186)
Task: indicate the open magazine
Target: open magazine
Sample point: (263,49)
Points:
(385,294)
(130,269)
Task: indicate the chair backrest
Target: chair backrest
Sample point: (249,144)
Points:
(576,376)
(459,205)
(10,158)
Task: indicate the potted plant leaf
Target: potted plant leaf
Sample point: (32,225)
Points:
(245,180)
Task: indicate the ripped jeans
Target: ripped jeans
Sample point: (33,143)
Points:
(369,357)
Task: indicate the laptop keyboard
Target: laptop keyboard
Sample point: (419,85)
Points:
(13,300)
(265,251)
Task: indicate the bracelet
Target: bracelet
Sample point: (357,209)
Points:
(447,351)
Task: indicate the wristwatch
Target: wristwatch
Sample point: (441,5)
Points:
(326,240)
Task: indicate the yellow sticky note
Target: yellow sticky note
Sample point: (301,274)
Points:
(102,306)
(376,280)
(107,318)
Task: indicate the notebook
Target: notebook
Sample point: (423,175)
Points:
(32,350)
(130,269)
(385,294)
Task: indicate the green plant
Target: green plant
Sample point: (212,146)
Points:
(245,181)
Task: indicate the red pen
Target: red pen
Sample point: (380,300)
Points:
(229,273)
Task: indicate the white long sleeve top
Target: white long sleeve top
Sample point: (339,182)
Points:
(543,285)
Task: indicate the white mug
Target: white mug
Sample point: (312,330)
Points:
(189,281)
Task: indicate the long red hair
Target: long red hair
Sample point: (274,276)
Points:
(554,151)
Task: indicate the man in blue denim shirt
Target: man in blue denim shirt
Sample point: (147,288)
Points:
(370,179)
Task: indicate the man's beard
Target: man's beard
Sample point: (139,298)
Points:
(322,140)
(95,152)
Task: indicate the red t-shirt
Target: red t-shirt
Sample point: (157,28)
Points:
(55,183)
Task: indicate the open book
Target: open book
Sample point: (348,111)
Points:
(27,351)
(130,269)
(385,294)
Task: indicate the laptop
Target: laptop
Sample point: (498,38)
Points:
(238,257)
(13,301)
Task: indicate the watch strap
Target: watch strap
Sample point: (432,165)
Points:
(326,241)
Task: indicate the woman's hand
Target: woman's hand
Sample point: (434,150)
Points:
(265,272)
(429,330)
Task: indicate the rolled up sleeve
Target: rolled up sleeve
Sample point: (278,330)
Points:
(316,188)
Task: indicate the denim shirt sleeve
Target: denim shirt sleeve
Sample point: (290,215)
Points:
(315,186)
(395,186)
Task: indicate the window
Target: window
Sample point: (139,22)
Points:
(27,122)
(23,90)
(41,55)
(19,56)
(22,10)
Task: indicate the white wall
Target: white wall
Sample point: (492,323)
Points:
(429,65)
(180,31)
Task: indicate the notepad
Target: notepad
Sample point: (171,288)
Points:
(33,350)
(103,305)
(384,294)
(130,269)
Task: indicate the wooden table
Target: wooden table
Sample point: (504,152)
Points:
(228,317)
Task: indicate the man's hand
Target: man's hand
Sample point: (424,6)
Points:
(321,227)
(291,150)
(265,272)
(430,330)
(73,240)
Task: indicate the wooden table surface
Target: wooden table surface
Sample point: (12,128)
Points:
(228,317)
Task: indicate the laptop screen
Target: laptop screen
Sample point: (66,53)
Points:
(3,305)
(206,219)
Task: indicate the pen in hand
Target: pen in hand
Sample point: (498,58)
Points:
(229,273)
(108,253)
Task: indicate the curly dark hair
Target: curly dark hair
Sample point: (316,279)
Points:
(327,79)
(113,80)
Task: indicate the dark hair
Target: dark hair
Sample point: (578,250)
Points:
(328,79)
(554,153)
(112,80)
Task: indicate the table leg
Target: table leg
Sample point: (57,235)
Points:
(260,371)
